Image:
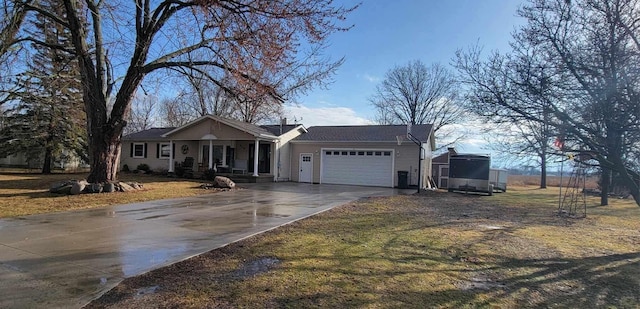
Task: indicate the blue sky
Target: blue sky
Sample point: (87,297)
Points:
(390,33)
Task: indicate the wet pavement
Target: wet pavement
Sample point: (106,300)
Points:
(64,260)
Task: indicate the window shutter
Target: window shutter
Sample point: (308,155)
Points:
(131,150)
(158,150)
(145,150)
(174,150)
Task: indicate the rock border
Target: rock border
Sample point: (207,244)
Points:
(75,187)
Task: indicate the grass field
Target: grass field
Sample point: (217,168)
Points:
(435,250)
(552,181)
(24,194)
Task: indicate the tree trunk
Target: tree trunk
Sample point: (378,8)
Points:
(46,166)
(543,169)
(105,154)
(605,182)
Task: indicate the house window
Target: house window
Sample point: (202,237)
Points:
(378,153)
(344,153)
(369,153)
(387,153)
(352,153)
(328,153)
(138,150)
(165,150)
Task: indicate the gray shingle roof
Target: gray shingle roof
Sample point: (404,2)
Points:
(367,133)
(275,128)
(149,134)
(240,125)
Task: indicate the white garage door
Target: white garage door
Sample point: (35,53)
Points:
(364,167)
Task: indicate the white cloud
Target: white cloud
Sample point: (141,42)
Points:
(324,116)
(371,78)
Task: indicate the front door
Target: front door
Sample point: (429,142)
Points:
(443,181)
(306,167)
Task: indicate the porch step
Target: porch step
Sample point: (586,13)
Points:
(240,178)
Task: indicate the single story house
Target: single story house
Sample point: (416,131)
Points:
(368,155)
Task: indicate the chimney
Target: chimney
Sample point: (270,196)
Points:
(283,121)
(452,150)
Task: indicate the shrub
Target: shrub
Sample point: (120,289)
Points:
(125,168)
(209,174)
(179,170)
(143,167)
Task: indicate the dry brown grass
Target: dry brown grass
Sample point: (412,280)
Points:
(435,250)
(552,181)
(24,194)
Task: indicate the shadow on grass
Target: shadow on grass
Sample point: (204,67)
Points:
(590,282)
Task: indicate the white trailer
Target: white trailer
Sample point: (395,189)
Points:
(498,178)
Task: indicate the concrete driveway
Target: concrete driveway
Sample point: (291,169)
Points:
(67,259)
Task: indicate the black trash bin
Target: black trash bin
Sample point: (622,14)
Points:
(403,179)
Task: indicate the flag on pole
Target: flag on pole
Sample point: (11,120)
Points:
(559,142)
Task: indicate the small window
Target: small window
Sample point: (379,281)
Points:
(138,150)
(328,153)
(369,153)
(344,153)
(387,153)
(306,159)
(165,150)
(352,153)
(378,153)
(336,153)
(361,153)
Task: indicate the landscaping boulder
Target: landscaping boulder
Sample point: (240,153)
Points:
(224,182)
(124,187)
(108,187)
(77,187)
(61,187)
(135,185)
(95,188)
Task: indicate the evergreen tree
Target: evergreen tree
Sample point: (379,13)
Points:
(47,120)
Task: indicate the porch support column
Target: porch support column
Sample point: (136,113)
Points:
(256,152)
(276,160)
(170,156)
(210,154)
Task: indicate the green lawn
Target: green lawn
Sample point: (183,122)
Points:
(437,250)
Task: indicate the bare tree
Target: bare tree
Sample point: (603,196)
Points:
(417,94)
(12,15)
(523,83)
(257,43)
(585,56)
(204,96)
(143,110)
(175,113)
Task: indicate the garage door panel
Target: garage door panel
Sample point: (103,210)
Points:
(360,167)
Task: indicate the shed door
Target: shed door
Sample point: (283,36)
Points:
(363,167)
(444,176)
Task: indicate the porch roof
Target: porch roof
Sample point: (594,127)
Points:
(249,128)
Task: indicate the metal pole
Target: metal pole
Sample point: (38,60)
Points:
(560,194)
